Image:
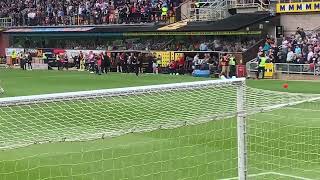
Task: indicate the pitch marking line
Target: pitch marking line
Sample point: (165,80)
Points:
(290,176)
(271,173)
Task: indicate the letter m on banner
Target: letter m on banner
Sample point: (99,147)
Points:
(308,6)
(299,7)
(291,7)
(282,7)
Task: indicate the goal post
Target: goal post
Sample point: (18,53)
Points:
(241,132)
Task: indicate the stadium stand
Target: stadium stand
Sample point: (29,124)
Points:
(301,48)
(81,12)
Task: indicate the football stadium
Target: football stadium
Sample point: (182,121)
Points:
(159,90)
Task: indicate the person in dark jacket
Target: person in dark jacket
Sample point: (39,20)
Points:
(29,61)
(106,63)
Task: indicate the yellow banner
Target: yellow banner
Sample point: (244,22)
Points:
(165,57)
(298,7)
(269,70)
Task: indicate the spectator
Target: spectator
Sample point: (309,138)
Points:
(203,47)
(196,61)
(297,50)
(224,63)
(172,67)
(290,56)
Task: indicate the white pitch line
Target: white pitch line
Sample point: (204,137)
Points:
(251,175)
(271,173)
(290,176)
(303,109)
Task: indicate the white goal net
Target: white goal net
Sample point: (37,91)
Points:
(198,130)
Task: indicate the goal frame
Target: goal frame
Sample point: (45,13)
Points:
(239,83)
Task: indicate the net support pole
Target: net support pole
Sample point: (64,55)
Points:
(241,132)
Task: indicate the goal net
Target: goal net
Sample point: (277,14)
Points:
(198,130)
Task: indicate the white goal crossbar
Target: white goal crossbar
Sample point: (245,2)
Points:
(116,91)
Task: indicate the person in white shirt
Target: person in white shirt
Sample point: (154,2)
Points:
(196,61)
(310,55)
(203,47)
(290,55)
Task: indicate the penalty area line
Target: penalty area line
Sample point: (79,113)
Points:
(272,173)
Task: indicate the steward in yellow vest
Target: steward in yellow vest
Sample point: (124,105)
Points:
(232,64)
(262,61)
(13,57)
(164,13)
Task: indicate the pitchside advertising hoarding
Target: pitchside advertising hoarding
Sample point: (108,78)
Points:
(300,7)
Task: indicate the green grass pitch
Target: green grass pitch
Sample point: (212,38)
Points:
(290,136)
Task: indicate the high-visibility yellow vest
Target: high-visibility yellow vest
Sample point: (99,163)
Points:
(14,55)
(263,61)
(164,11)
(232,62)
(44,56)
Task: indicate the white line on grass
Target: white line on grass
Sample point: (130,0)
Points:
(251,175)
(303,109)
(290,176)
(271,173)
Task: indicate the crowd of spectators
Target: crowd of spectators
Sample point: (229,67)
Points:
(298,48)
(216,44)
(80,12)
(301,50)
(145,44)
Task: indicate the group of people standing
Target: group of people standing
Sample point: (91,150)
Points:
(224,66)
(95,63)
(26,61)
(132,63)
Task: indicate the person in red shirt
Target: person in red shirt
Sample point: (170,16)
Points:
(172,67)
(99,63)
(224,63)
(181,63)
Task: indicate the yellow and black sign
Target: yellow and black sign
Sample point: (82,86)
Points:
(298,7)
(269,70)
(167,56)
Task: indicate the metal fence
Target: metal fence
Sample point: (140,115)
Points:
(287,69)
(6,22)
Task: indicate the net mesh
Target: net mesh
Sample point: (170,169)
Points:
(284,143)
(179,131)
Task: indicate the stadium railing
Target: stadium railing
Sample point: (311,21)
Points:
(260,4)
(6,22)
(288,70)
